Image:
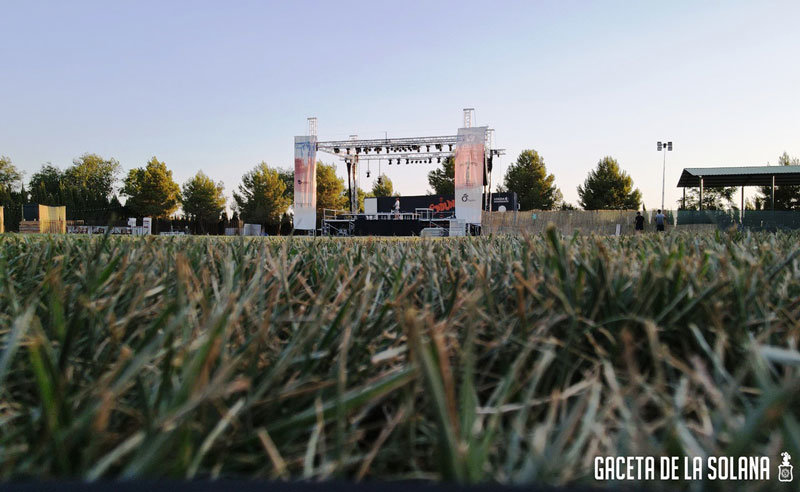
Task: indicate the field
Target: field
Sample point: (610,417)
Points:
(503,359)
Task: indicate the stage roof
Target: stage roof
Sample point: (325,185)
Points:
(739,176)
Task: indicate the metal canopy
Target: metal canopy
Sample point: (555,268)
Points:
(739,176)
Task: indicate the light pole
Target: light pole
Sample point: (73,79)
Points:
(664,147)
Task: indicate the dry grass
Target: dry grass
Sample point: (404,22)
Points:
(475,359)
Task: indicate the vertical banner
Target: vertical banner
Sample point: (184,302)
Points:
(469,171)
(305,182)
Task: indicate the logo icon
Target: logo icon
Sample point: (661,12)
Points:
(785,469)
(464,197)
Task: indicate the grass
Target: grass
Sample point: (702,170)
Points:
(504,359)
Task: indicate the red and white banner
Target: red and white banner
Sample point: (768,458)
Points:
(305,182)
(469,163)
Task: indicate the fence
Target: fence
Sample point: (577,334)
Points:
(769,220)
(602,222)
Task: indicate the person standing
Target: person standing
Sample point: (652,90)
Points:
(396,208)
(660,220)
(639,223)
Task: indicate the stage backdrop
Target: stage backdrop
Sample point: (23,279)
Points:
(305,182)
(442,206)
(469,173)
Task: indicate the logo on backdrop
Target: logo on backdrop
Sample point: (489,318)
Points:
(785,469)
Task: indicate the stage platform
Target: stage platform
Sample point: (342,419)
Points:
(419,223)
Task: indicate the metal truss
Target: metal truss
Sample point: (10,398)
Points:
(387,145)
(405,156)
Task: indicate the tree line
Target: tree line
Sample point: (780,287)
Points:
(88,188)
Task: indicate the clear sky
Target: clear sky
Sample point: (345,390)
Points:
(220,86)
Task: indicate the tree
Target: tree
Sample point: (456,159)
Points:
(529,179)
(9,175)
(360,196)
(261,198)
(382,186)
(11,200)
(93,175)
(47,187)
(151,190)
(330,189)
(786,197)
(714,198)
(287,176)
(608,188)
(442,180)
(203,199)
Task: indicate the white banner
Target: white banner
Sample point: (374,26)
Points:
(469,163)
(305,182)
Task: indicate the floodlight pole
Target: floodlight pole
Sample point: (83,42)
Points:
(663,178)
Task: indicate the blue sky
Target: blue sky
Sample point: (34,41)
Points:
(221,86)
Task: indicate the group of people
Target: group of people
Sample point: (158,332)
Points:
(660,220)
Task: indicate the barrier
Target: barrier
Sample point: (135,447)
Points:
(602,222)
(769,220)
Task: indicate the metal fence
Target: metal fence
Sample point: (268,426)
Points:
(768,220)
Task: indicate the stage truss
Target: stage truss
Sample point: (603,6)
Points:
(401,151)
(405,150)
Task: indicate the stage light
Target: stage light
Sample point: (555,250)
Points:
(358,150)
(390,162)
(336,150)
(368,174)
(438,146)
(451,147)
(439,159)
(379,180)
(428,147)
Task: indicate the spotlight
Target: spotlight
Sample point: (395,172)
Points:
(358,150)
(379,180)
(428,147)
(451,147)
(336,150)
(439,159)
(390,162)
(438,146)
(368,174)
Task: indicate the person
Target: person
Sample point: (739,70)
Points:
(396,208)
(660,219)
(639,224)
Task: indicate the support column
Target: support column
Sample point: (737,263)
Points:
(349,184)
(741,211)
(684,198)
(701,193)
(773,192)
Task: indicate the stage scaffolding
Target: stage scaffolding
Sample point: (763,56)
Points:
(405,150)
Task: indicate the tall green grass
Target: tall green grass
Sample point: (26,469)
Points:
(503,359)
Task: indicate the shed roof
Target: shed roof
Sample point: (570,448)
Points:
(739,176)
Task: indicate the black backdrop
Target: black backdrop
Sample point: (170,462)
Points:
(442,205)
